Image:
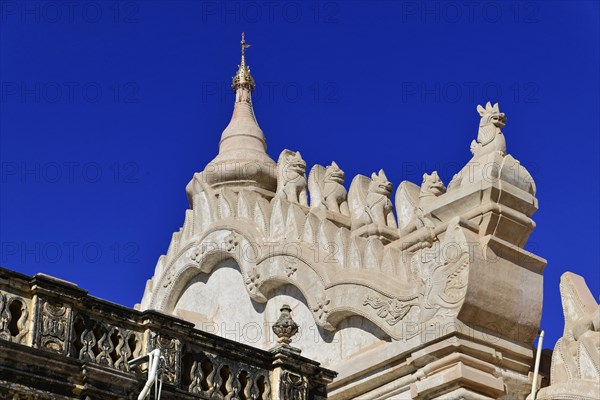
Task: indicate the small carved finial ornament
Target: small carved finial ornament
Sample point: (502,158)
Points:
(243,78)
(285,327)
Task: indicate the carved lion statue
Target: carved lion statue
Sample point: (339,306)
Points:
(326,186)
(370,201)
(291,178)
(410,200)
(432,186)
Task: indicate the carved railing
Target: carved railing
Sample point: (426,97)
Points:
(57,317)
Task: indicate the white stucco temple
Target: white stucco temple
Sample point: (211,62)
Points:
(432,297)
(283,284)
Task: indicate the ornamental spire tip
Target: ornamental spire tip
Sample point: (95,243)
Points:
(243,78)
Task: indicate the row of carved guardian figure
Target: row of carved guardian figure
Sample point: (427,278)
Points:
(368,201)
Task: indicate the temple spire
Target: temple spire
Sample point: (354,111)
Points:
(244,47)
(242,160)
(243,83)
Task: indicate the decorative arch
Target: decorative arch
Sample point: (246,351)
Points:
(331,295)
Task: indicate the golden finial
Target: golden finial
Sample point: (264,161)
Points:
(244,47)
(243,78)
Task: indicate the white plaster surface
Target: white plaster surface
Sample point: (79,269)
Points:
(220,304)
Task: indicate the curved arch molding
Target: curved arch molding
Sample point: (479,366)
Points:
(393,289)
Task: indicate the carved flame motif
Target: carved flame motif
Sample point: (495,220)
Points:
(447,284)
(456,283)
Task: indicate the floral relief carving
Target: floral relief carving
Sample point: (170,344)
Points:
(197,254)
(322,308)
(253,281)
(232,241)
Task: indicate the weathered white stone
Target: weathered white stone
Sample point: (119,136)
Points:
(575,370)
(369,201)
(376,300)
(327,189)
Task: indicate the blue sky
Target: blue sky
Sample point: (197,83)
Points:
(108,108)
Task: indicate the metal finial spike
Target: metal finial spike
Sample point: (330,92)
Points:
(243,78)
(244,45)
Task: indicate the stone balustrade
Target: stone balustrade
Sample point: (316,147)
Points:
(57,340)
